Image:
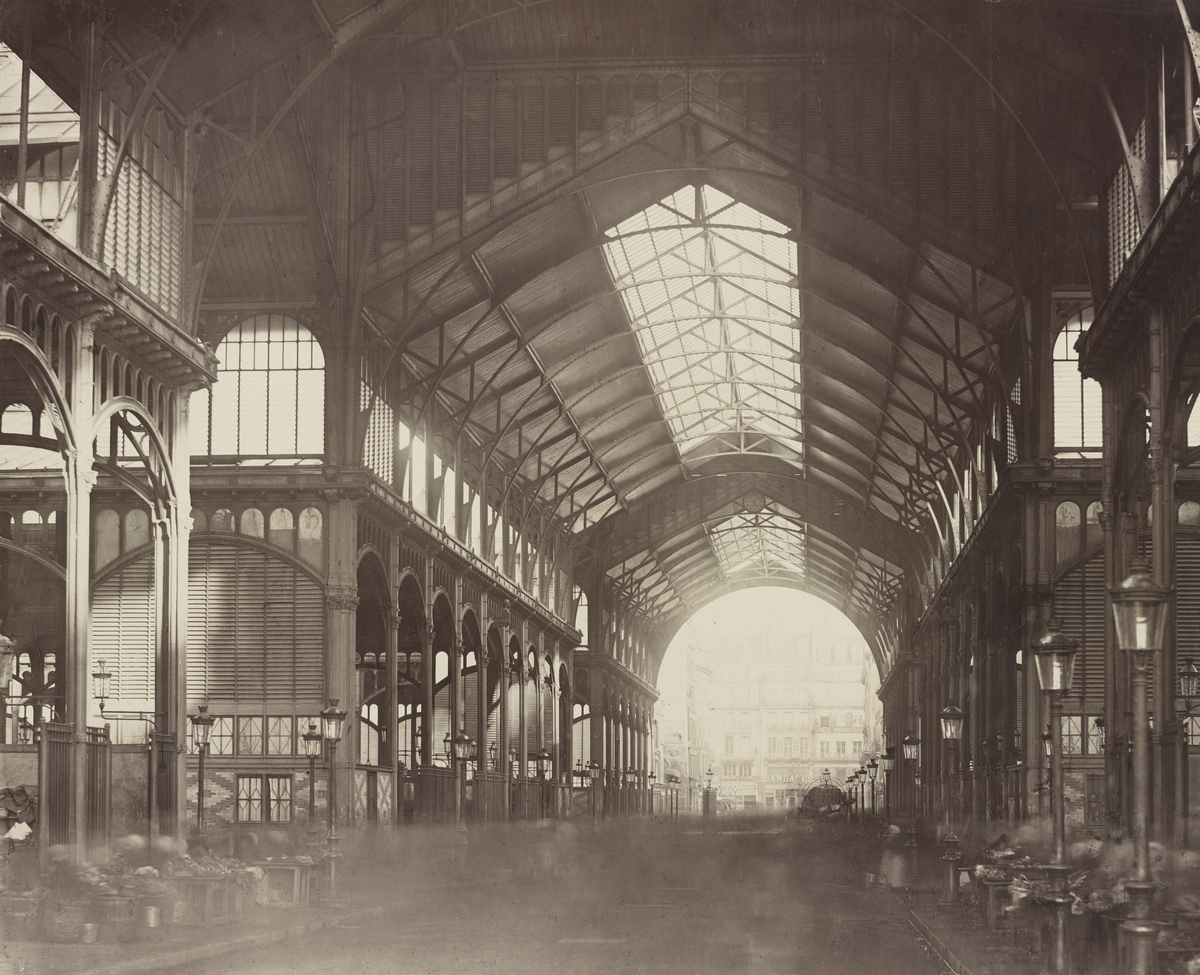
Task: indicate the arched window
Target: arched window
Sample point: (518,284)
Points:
(1077,402)
(269,399)
(280,530)
(1066,533)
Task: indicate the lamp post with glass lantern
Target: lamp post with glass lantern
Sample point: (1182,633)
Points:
(911,746)
(1140,612)
(202,723)
(708,805)
(1054,654)
(543,771)
(886,763)
(594,774)
(951,718)
(872,771)
(332,720)
(312,742)
(464,747)
(862,791)
(1188,685)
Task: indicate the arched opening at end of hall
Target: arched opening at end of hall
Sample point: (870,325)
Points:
(768,688)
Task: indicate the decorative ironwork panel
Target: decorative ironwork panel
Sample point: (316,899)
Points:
(99,794)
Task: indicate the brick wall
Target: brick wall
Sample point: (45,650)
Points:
(220,795)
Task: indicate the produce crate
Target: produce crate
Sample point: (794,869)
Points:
(287,883)
(207,900)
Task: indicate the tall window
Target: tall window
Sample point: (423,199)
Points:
(1072,734)
(269,399)
(1077,403)
(264,798)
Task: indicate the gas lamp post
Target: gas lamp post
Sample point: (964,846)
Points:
(911,747)
(332,720)
(464,747)
(312,742)
(1140,614)
(951,718)
(202,723)
(1054,653)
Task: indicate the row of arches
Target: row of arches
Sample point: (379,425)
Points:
(512,698)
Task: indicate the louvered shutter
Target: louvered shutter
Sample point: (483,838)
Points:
(844,124)
(394,140)
(874,129)
(958,152)
(449,148)
(533,122)
(1069,608)
(1187,587)
(478,175)
(900,139)
(931,135)
(505,144)
(1080,604)
(420,157)
(256,628)
(618,105)
(547,697)
(1092,649)
(123,627)
(471,704)
(591,105)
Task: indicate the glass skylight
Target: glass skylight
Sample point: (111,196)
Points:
(766,542)
(710,286)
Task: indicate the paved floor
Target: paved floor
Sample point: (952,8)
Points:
(650,899)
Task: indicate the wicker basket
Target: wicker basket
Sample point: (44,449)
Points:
(62,920)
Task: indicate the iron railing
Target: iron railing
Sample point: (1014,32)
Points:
(98,824)
(54,787)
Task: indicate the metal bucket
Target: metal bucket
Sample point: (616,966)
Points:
(151,916)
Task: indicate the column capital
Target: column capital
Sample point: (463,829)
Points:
(344,599)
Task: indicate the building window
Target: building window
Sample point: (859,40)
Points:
(220,738)
(1193,730)
(264,798)
(772,746)
(1077,404)
(729,770)
(1095,740)
(1072,734)
(270,400)
(841,748)
(729,744)
(746,771)
(279,736)
(250,735)
(824,748)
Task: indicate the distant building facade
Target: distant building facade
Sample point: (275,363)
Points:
(790,704)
